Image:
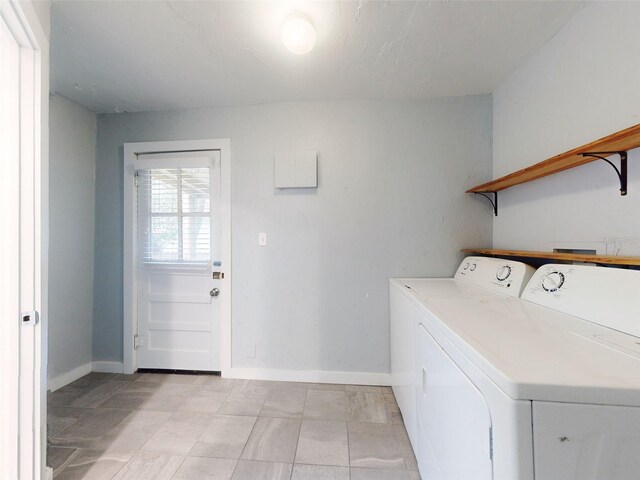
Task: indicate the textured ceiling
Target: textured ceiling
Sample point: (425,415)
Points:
(115,56)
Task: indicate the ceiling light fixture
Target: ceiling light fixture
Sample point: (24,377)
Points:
(298,34)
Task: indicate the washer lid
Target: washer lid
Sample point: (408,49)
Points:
(619,341)
(475,277)
(534,353)
(426,288)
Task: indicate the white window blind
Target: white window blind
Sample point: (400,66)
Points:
(174,215)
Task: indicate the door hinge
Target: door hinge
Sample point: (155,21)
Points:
(491,443)
(137,341)
(136,176)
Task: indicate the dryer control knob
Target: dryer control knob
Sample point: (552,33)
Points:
(503,272)
(553,281)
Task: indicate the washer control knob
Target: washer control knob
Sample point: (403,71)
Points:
(553,281)
(503,272)
(466,266)
(473,267)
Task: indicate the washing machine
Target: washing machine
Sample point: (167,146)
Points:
(546,386)
(476,278)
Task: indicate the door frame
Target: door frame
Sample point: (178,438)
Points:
(23,375)
(130,284)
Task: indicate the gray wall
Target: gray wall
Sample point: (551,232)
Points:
(72,161)
(42,9)
(581,86)
(390,202)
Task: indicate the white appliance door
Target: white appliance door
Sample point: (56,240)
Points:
(405,318)
(455,429)
(178,240)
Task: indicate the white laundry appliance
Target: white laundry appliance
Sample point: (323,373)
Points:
(477,278)
(546,387)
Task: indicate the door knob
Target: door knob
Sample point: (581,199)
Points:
(214,292)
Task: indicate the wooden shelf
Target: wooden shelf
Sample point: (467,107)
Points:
(623,140)
(574,257)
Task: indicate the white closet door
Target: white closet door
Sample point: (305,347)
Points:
(20,347)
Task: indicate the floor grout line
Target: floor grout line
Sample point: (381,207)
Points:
(58,470)
(184,458)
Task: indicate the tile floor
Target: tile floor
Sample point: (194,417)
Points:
(192,427)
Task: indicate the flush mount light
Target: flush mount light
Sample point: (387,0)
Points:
(298,34)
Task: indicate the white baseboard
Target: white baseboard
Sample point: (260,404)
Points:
(310,376)
(107,367)
(60,381)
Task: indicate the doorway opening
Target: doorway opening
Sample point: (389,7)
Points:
(177,256)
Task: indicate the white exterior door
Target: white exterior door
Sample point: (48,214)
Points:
(178,259)
(20,260)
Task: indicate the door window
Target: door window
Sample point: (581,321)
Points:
(174,215)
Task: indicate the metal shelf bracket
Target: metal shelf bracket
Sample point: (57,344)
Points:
(494,201)
(621,172)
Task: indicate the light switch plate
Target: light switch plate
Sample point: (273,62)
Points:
(262,239)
